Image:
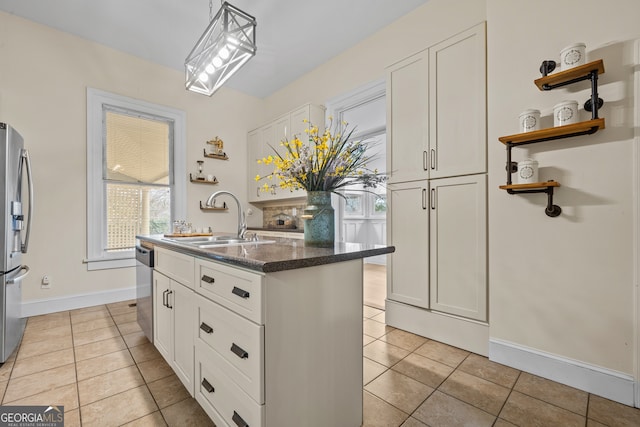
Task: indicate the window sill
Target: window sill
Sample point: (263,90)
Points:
(105,264)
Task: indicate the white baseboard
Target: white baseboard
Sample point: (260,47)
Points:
(52,305)
(603,382)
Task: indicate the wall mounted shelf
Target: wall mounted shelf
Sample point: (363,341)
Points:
(576,129)
(577,74)
(573,75)
(207,208)
(202,181)
(215,156)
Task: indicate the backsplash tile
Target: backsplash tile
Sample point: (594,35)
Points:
(285,216)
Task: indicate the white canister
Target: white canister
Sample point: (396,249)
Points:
(529,120)
(565,113)
(527,171)
(572,56)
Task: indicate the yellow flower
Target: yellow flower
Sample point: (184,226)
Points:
(257,178)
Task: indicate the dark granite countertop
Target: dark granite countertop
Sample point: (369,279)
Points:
(283,254)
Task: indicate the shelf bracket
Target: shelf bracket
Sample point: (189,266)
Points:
(551,210)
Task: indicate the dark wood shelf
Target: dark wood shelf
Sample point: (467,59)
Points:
(561,77)
(215,156)
(559,132)
(532,186)
(202,181)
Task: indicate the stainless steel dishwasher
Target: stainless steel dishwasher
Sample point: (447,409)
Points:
(144,290)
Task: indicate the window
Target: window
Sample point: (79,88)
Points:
(135,175)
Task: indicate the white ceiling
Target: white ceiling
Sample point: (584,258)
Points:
(293,36)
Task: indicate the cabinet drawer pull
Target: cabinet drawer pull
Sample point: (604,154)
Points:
(425,161)
(164,297)
(169,293)
(240,292)
(433,198)
(208,329)
(424,198)
(207,386)
(433,158)
(208,279)
(238,351)
(238,420)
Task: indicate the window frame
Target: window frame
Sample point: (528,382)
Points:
(97,257)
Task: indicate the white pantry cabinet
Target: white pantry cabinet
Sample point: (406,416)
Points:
(439,230)
(173,313)
(436,152)
(262,141)
(436,110)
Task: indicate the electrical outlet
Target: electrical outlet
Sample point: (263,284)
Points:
(46,282)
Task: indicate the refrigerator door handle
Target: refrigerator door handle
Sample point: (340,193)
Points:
(19,276)
(27,162)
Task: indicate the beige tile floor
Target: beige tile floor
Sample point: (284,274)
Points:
(98,364)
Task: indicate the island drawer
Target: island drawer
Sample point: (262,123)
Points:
(220,397)
(175,265)
(239,342)
(238,290)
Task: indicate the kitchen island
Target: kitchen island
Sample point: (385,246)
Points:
(264,333)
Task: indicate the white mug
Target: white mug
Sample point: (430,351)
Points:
(527,171)
(565,113)
(572,56)
(529,120)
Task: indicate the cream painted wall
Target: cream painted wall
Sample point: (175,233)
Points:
(44,74)
(366,62)
(563,285)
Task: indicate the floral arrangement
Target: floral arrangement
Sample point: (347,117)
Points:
(330,161)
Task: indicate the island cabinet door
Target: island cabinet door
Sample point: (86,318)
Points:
(182,301)
(458,236)
(162,323)
(408,231)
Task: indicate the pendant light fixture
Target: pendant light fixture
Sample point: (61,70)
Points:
(226,45)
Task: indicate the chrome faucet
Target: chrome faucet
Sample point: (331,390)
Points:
(242,224)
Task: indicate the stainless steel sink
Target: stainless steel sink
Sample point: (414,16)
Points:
(204,242)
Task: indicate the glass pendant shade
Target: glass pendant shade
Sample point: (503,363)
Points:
(226,45)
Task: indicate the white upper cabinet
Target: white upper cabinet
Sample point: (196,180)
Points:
(261,143)
(408,119)
(457,98)
(436,110)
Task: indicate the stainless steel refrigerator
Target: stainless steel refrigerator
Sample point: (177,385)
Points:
(14,231)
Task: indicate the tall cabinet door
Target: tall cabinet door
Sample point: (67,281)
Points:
(458,243)
(457,98)
(408,119)
(408,231)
